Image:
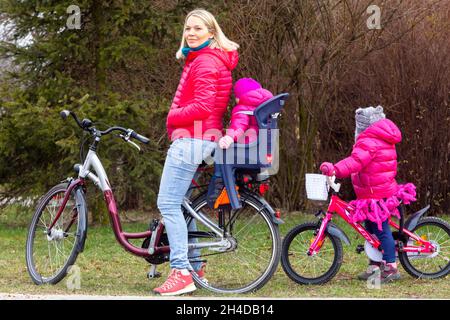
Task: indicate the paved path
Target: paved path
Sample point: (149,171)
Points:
(20,296)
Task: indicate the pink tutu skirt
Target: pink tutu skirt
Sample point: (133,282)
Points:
(378,210)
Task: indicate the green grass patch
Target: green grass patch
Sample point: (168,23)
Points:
(107,269)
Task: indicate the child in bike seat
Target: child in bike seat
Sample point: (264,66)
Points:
(372,166)
(243,126)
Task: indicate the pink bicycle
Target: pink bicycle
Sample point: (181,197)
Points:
(312,252)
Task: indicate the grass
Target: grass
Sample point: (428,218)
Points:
(106,269)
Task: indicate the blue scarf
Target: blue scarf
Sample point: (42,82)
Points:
(186,50)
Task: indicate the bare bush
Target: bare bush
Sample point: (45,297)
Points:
(326,57)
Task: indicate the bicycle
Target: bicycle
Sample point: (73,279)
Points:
(312,252)
(248,236)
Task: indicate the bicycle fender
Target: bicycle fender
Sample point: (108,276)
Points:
(334,230)
(268,206)
(83,214)
(412,221)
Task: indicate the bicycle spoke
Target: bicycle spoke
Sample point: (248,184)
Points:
(242,228)
(252,253)
(50,257)
(317,256)
(438,237)
(43,222)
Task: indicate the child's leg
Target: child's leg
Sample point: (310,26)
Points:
(217,171)
(215,186)
(369,226)
(386,239)
(374,266)
(389,268)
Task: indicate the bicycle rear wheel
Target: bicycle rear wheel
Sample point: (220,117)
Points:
(49,256)
(256,252)
(429,266)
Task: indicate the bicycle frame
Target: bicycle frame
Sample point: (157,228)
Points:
(93,170)
(343,209)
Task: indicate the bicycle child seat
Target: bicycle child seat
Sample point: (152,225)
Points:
(258,155)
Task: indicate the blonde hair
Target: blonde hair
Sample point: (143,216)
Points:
(219,39)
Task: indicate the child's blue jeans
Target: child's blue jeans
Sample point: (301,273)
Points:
(385,237)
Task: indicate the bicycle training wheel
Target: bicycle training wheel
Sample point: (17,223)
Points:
(316,269)
(434,265)
(48,256)
(255,254)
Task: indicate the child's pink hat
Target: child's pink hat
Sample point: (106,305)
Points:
(244,85)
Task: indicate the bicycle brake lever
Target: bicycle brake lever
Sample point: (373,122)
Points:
(332,184)
(134,145)
(126,138)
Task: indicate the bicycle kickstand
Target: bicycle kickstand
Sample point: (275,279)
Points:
(153,273)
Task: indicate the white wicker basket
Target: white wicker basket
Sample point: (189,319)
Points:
(316,186)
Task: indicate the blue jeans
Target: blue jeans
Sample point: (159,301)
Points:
(385,237)
(183,158)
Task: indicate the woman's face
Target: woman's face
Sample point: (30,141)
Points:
(196,32)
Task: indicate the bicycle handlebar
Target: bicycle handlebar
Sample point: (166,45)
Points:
(139,137)
(65,113)
(332,184)
(86,124)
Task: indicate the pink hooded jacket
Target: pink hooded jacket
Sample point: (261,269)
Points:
(244,125)
(202,95)
(373,162)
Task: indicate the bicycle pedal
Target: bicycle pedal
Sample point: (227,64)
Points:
(359,248)
(153,275)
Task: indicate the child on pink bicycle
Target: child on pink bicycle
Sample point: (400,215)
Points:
(373,168)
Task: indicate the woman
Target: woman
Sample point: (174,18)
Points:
(194,124)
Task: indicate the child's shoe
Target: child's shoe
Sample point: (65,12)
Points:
(389,273)
(373,268)
(178,282)
(201,272)
(215,187)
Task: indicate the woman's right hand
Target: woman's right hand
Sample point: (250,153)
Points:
(327,169)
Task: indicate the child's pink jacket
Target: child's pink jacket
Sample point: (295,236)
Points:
(373,167)
(373,162)
(242,123)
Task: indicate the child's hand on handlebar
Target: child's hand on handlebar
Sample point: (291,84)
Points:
(327,169)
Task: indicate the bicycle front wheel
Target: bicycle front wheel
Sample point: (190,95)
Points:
(255,254)
(315,269)
(434,265)
(50,254)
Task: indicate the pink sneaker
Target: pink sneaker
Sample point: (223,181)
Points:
(389,273)
(178,282)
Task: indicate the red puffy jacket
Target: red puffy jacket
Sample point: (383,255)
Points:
(373,162)
(202,95)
